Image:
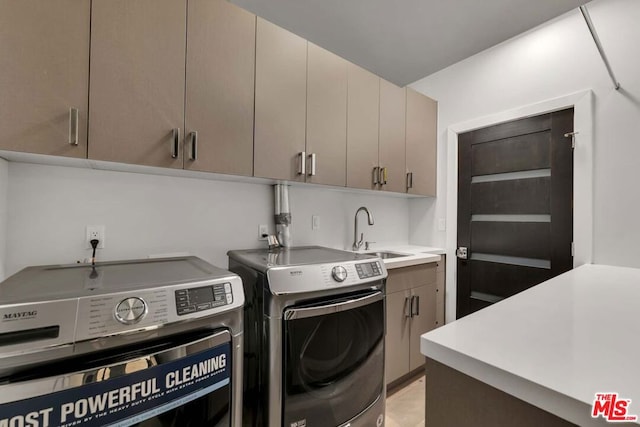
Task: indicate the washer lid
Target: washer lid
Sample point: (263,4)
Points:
(56,282)
(49,308)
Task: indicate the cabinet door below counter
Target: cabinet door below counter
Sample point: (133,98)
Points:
(397,338)
(423,299)
(411,311)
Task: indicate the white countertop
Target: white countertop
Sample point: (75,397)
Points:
(415,254)
(556,344)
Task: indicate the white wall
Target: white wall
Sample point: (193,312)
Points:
(553,60)
(50,206)
(4,188)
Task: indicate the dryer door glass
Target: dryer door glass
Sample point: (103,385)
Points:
(160,384)
(333,364)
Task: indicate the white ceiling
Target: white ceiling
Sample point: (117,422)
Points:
(405,40)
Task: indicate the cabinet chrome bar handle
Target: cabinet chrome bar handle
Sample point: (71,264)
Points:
(382,179)
(408,307)
(376,175)
(73,126)
(417,297)
(194,146)
(302,165)
(312,164)
(409,180)
(175,143)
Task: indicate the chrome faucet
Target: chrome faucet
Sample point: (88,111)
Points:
(357,244)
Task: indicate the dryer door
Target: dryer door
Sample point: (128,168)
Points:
(333,359)
(184,381)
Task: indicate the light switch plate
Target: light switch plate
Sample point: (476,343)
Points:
(315,222)
(442,224)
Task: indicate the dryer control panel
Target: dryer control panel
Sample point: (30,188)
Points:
(369,269)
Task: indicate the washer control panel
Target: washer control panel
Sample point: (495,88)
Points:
(105,315)
(369,269)
(203,298)
(131,310)
(110,314)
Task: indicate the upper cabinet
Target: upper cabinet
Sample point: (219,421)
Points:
(363,105)
(139,51)
(301,109)
(137,81)
(44,76)
(422,116)
(280,103)
(391,152)
(204,85)
(326,145)
(220,87)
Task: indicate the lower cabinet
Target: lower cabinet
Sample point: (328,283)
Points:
(411,311)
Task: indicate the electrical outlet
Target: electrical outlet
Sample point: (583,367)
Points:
(95,232)
(315,222)
(262,231)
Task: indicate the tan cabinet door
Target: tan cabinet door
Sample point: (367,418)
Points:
(44,73)
(326,117)
(220,82)
(397,338)
(392,136)
(137,81)
(281,99)
(363,104)
(423,320)
(422,118)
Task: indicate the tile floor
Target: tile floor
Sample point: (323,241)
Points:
(405,407)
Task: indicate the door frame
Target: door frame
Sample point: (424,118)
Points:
(582,103)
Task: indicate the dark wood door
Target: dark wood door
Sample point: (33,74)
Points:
(515,207)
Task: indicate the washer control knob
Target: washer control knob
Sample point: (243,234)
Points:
(339,273)
(130,310)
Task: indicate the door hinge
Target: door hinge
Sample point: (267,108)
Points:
(572,135)
(573,249)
